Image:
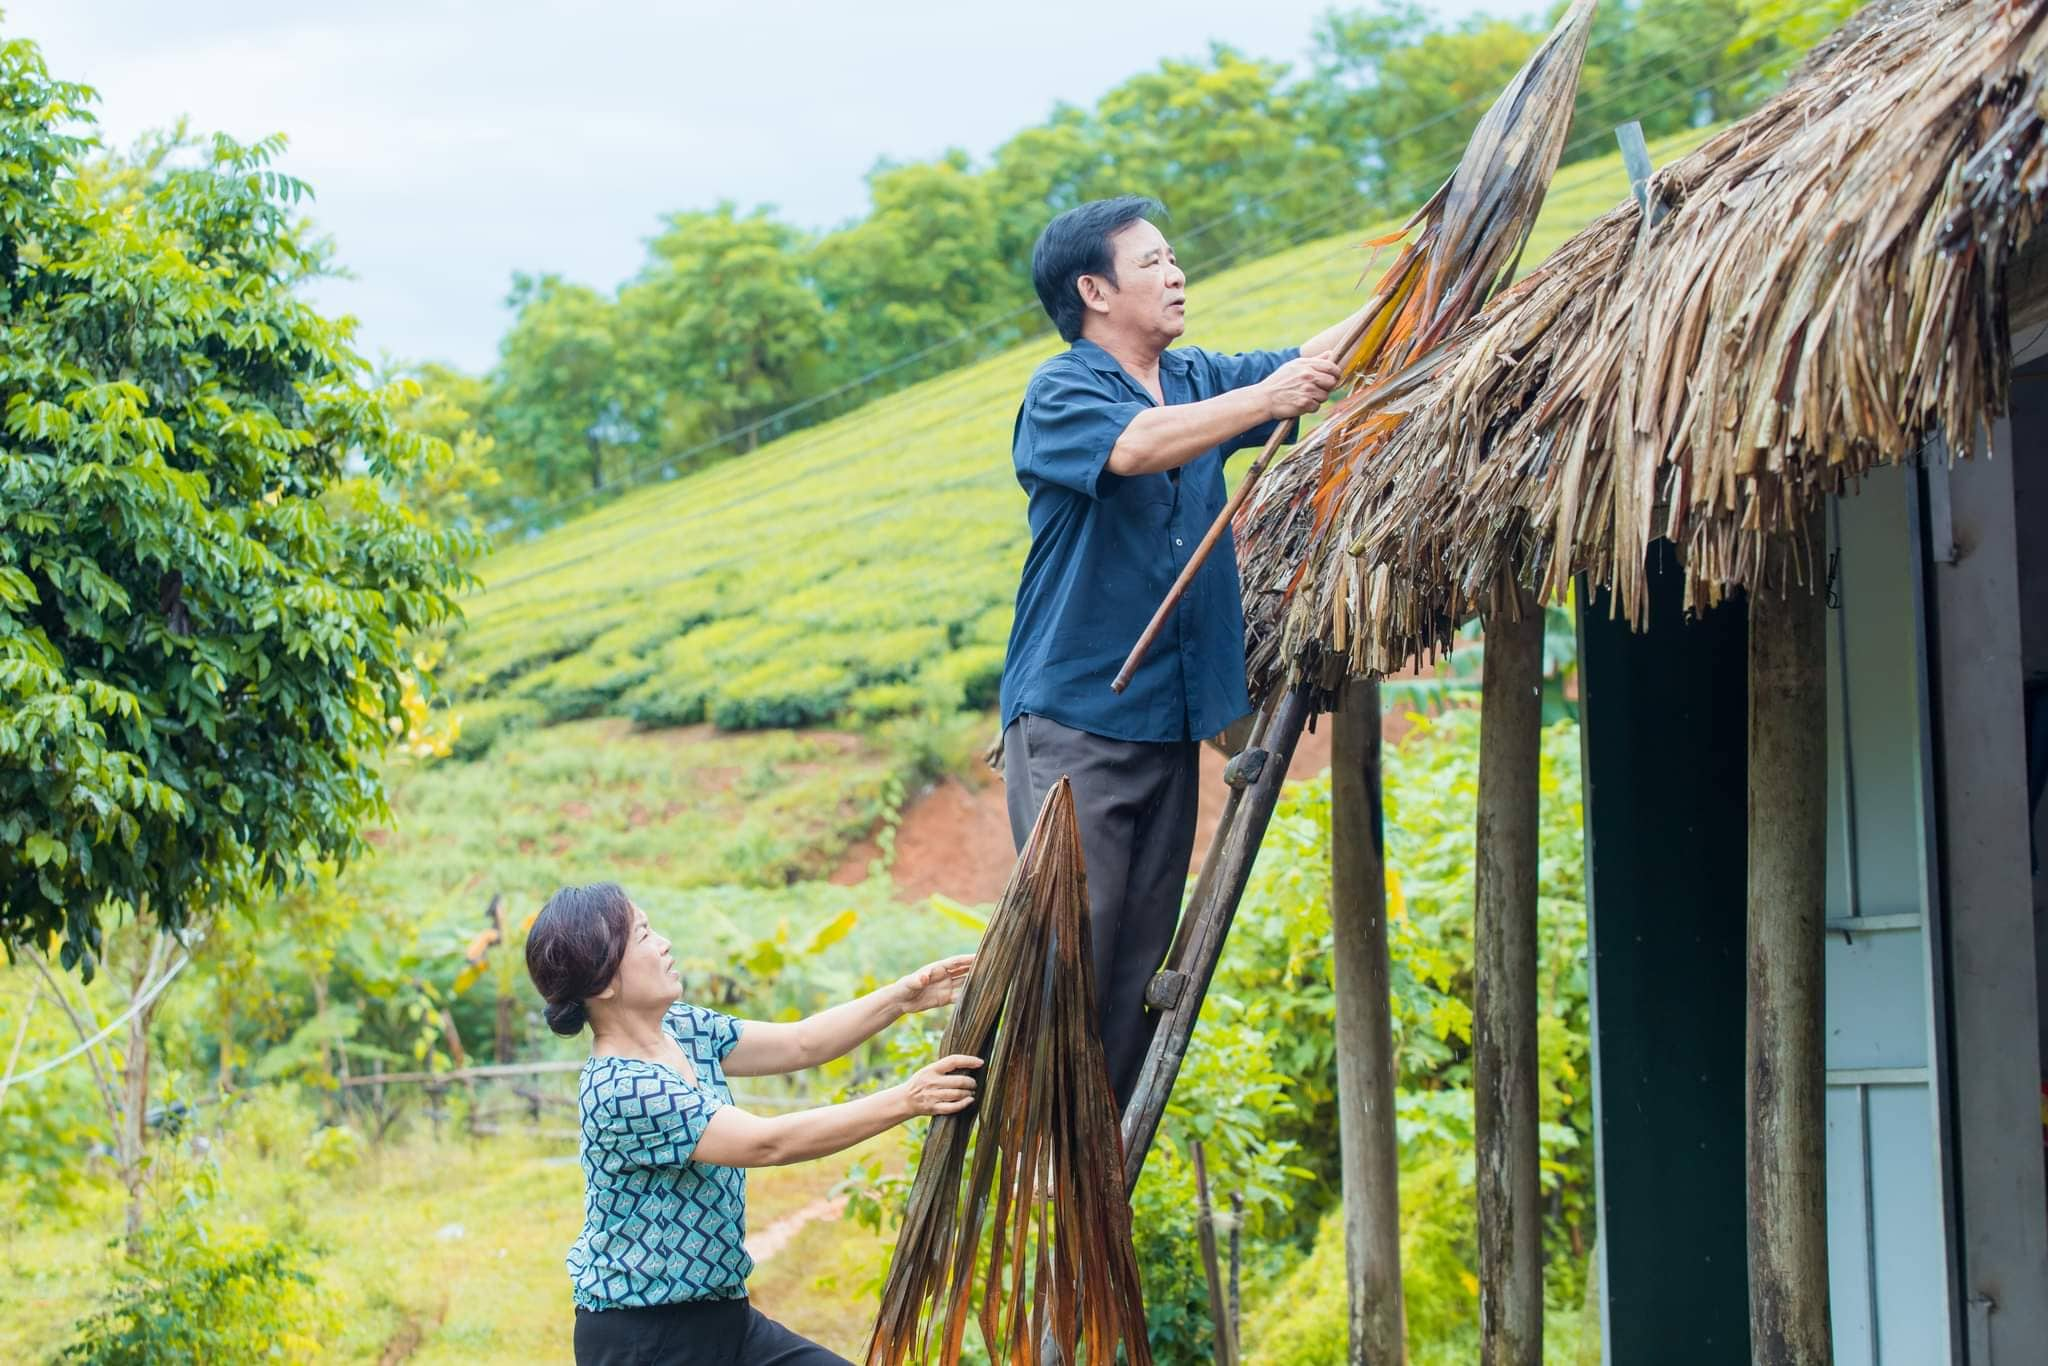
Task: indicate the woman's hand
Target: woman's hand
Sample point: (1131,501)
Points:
(942,1088)
(734,1138)
(935,984)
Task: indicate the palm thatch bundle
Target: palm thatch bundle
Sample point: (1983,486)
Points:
(1046,1174)
(1814,293)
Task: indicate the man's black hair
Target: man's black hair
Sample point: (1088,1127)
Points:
(1076,244)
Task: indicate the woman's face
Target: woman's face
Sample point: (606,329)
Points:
(647,974)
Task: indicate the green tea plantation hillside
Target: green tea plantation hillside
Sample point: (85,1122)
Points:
(721,690)
(853,572)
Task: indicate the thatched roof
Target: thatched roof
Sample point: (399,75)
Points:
(1824,289)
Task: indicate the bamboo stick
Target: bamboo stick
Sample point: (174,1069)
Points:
(1368,1149)
(1212,1269)
(1784,1039)
(1504,1014)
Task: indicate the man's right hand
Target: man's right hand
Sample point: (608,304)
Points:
(1299,387)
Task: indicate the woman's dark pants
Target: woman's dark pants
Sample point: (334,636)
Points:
(693,1333)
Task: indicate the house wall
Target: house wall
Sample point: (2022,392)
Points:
(1987,894)
(1665,716)
(1890,1251)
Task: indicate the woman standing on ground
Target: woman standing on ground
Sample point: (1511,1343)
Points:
(660,1271)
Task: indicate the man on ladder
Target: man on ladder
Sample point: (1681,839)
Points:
(1119,446)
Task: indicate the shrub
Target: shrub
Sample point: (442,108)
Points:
(880,701)
(689,674)
(1304,1320)
(774,694)
(886,656)
(199,1293)
(485,723)
(992,627)
(333,1148)
(973,673)
(583,684)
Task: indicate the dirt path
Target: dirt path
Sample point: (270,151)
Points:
(778,1235)
(955,837)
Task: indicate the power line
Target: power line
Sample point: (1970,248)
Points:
(141,1002)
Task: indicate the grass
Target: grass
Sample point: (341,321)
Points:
(452,1247)
(720,836)
(685,808)
(858,570)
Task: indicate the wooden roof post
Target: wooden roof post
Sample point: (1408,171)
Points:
(1368,1150)
(1504,1006)
(1785,1085)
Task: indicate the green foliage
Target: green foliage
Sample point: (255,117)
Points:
(446,409)
(487,720)
(1234,1097)
(47,1123)
(1400,96)
(1278,959)
(771,695)
(334,1148)
(721,328)
(199,1290)
(199,657)
(915,271)
(559,400)
(1784,29)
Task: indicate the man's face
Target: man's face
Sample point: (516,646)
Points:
(1149,298)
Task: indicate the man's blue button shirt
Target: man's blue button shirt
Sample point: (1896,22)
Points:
(1106,547)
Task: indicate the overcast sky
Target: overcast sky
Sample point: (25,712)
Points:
(452,142)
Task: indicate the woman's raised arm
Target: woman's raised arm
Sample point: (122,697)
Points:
(769,1049)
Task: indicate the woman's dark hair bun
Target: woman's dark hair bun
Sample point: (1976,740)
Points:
(574,948)
(567,1017)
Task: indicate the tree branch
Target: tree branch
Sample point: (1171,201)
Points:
(85,1035)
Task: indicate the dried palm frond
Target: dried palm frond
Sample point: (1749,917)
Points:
(1821,293)
(1465,244)
(1046,1172)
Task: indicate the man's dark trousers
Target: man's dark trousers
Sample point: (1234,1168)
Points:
(1135,802)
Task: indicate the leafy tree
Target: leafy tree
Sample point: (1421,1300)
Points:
(1041,173)
(916,271)
(560,400)
(1666,64)
(1788,26)
(452,487)
(1227,148)
(199,661)
(721,328)
(1400,97)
